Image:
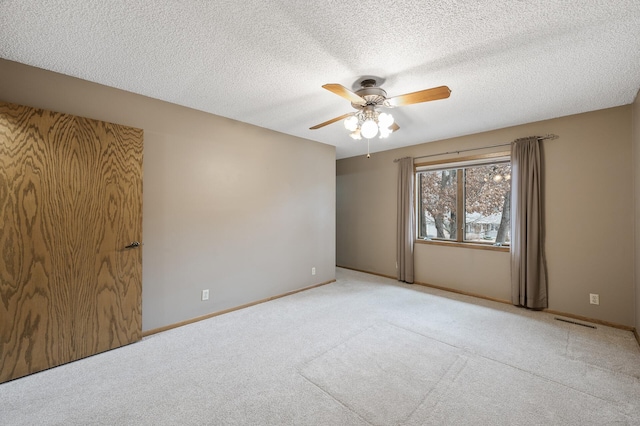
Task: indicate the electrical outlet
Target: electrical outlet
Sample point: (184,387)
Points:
(313,270)
(594,299)
(205,294)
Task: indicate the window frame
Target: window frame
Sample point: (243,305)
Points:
(459,164)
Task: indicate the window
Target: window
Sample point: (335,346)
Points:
(465,202)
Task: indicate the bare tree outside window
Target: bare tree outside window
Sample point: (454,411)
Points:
(484,196)
(438,191)
(488,203)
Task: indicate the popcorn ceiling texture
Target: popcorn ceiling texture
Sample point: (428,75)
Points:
(263,62)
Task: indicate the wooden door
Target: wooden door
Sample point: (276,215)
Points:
(70,201)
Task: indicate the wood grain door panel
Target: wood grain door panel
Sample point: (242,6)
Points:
(70,201)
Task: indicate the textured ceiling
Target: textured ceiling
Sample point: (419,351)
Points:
(263,62)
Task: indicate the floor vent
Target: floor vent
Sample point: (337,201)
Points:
(576,323)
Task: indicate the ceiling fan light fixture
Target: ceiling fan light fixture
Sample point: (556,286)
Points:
(368,121)
(369,129)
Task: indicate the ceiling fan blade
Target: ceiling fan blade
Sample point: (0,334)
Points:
(394,127)
(333,120)
(345,93)
(433,94)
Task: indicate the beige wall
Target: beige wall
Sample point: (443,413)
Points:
(636,161)
(589,213)
(243,211)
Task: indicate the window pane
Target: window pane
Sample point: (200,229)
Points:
(488,203)
(437,191)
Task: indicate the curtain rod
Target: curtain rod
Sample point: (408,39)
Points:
(549,136)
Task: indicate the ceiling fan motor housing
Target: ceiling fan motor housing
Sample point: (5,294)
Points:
(370,93)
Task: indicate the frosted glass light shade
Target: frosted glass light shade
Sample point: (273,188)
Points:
(351,123)
(385,120)
(369,129)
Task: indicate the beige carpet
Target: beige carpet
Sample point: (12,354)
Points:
(362,351)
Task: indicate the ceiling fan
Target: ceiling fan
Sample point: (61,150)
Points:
(367,121)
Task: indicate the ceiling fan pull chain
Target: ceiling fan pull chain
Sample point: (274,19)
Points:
(368,156)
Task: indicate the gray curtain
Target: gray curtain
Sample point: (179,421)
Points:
(406,221)
(528,266)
